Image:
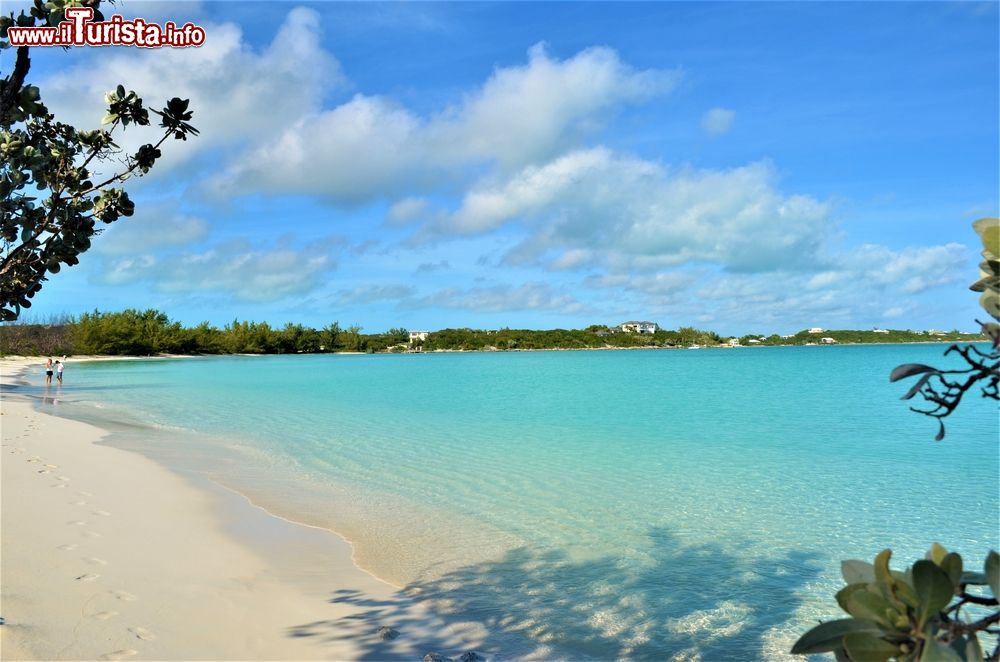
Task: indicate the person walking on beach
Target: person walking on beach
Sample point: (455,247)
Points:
(59,371)
(48,372)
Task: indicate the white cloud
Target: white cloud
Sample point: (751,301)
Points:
(236,94)
(407,210)
(914,269)
(372,293)
(637,214)
(372,147)
(718,121)
(530,296)
(235,268)
(153,227)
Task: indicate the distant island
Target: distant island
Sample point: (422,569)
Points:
(150,332)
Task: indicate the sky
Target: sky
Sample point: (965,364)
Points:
(746,167)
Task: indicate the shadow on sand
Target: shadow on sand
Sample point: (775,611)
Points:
(687,602)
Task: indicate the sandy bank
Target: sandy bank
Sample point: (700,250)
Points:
(108,555)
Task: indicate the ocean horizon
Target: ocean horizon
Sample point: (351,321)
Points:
(641,504)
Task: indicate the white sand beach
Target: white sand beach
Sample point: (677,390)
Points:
(108,555)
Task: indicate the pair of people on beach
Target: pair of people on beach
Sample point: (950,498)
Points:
(57,367)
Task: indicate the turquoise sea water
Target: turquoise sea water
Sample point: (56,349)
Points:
(641,504)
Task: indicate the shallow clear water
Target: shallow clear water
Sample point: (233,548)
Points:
(646,504)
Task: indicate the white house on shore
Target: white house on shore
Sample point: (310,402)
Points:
(816,329)
(828,341)
(639,327)
(418,336)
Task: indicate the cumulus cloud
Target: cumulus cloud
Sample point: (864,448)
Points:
(529,296)
(868,285)
(370,146)
(429,267)
(407,210)
(372,293)
(718,121)
(153,227)
(236,93)
(638,214)
(235,268)
(913,269)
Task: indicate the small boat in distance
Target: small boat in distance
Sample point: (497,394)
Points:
(695,347)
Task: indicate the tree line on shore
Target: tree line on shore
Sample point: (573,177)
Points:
(142,333)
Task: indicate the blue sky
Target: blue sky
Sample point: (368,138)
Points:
(744,167)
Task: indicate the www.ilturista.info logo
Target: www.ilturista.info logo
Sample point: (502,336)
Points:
(79,29)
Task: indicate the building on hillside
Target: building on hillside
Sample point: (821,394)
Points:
(733,342)
(816,329)
(418,336)
(828,341)
(880,330)
(753,341)
(639,327)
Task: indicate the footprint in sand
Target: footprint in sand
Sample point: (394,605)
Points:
(51,466)
(63,478)
(86,494)
(59,485)
(104,615)
(67,548)
(80,503)
(89,577)
(44,471)
(102,513)
(120,655)
(124,595)
(92,534)
(93,560)
(77,523)
(142,633)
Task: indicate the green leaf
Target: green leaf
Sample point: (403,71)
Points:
(827,636)
(934,589)
(844,594)
(869,606)
(992,571)
(868,647)
(973,651)
(937,651)
(857,572)
(974,578)
(882,573)
(908,370)
(952,565)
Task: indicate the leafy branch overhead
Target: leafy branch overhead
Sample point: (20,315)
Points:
(943,389)
(57,182)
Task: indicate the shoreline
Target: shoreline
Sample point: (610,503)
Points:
(26,360)
(108,554)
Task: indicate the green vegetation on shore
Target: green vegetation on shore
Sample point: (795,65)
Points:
(143,333)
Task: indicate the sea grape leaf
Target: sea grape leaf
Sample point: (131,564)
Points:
(973,650)
(937,651)
(857,572)
(908,370)
(992,571)
(868,647)
(828,636)
(952,565)
(844,594)
(870,606)
(933,586)
(882,573)
(974,578)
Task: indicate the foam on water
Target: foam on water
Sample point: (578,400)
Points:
(667,504)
